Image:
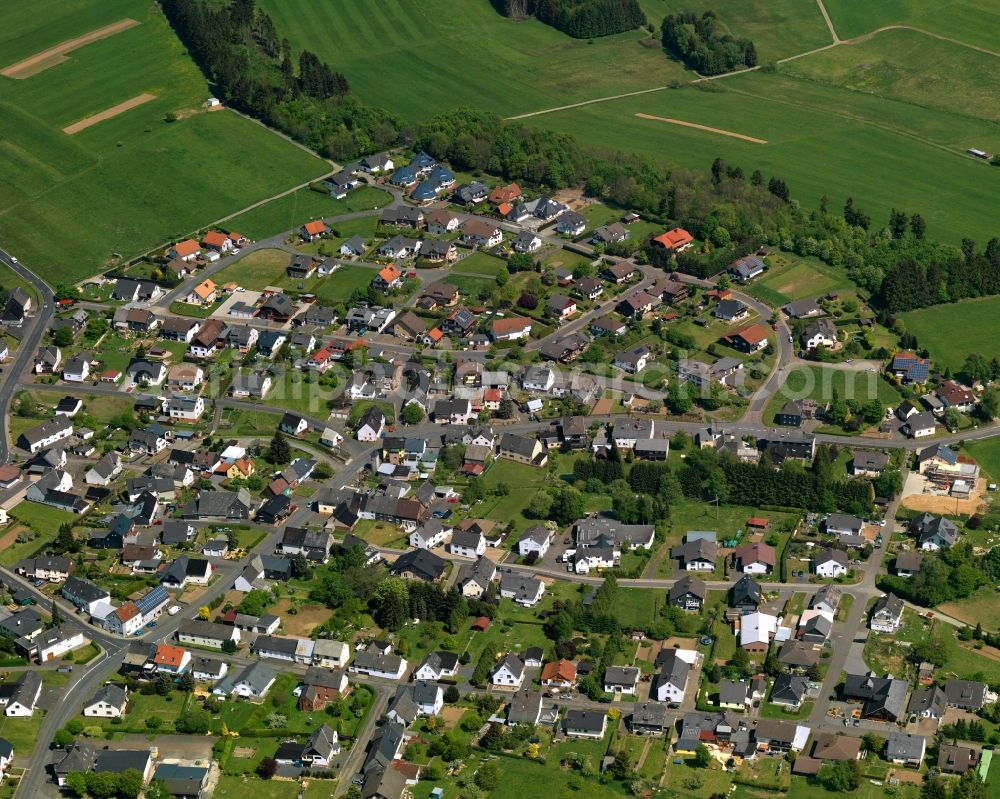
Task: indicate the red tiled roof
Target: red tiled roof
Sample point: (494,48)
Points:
(315,228)
(186,247)
(214,238)
(675,238)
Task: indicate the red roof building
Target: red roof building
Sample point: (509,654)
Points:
(676,240)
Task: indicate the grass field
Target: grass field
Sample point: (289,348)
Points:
(952,332)
(987,454)
(295,209)
(789,278)
(912,67)
(822,139)
(517,67)
(84,190)
(777,28)
(973,21)
(818,383)
(267,268)
(480,263)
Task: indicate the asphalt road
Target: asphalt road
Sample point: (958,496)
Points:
(37,324)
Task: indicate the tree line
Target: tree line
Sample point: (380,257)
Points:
(238,48)
(581,19)
(704,45)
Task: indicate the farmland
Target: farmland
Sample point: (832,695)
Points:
(952,332)
(83,189)
(822,139)
(973,21)
(517,66)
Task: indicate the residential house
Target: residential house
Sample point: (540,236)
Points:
(688,593)
(697,555)
(746,269)
(508,672)
(830,563)
(886,614)
(674,241)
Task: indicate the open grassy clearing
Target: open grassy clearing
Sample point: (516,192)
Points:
(952,332)
(818,383)
(912,67)
(267,268)
(790,278)
(82,189)
(419,59)
(778,28)
(987,454)
(823,140)
(480,263)
(974,21)
(294,210)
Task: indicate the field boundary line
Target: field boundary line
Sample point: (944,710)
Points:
(587,102)
(901,27)
(39,62)
(706,128)
(109,113)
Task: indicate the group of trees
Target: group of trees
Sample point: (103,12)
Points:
(945,575)
(105,784)
(703,44)
(947,276)
(969,786)
(581,19)
(395,601)
(238,47)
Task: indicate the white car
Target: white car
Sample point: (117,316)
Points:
(173,610)
(13,260)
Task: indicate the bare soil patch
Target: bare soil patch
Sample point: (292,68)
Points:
(56,55)
(706,128)
(451,716)
(933,503)
(307,619)
(603,407)
(10,537)
(108,113)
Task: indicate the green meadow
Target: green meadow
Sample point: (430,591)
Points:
(952,332)
(419,59)
(71,205)
(974,21)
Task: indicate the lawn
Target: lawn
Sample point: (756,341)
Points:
(790,278)
(952,332)
(532,66)
(41,518)
(819,383)
(22,732)
(263,789)
(82,188)
(480,263)
(294,210)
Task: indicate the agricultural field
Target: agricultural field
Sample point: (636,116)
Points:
(821,139)
(952,332)
(789,277)
(532,66)
(81,186)
(974,21)
(910,67)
